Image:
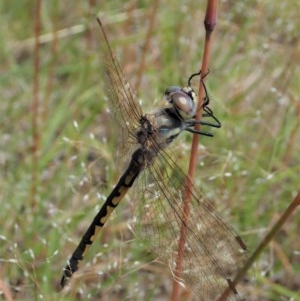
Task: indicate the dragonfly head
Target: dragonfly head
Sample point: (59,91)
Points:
(183,100)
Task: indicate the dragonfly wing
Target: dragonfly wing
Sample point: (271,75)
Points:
(121,98)
(213,254)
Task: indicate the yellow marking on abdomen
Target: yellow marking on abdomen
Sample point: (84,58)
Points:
(122,191)
(92,238)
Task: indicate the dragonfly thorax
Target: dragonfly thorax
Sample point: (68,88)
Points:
(144,131)
(159,128)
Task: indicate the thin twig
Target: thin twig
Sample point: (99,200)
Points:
(5,289)
(35,106)
(266,240)
(50,75)
(210,22)
(141,68)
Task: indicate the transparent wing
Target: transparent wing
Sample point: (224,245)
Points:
(213,253)
(122,100)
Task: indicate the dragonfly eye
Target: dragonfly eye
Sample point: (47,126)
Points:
(170,91)
(182,100)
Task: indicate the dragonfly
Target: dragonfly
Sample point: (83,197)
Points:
(213,252)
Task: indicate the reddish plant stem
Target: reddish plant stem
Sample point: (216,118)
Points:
(35,105)
(5,289)
(89,32)
(209,23)
(141,68)
(50,75)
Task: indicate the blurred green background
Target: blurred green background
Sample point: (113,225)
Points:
(250,169)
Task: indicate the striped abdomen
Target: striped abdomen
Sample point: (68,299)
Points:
(112,201)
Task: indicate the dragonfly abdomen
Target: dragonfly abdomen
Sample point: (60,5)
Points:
(126,181)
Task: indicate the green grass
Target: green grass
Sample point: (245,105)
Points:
(250,169)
